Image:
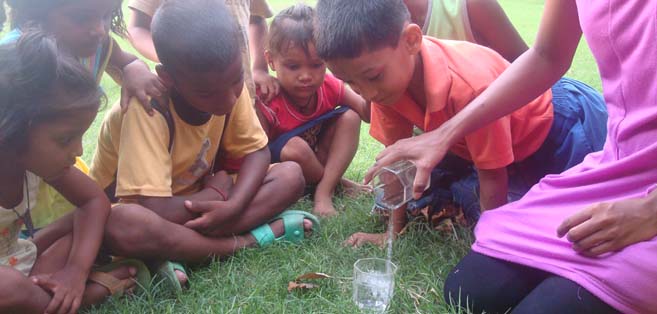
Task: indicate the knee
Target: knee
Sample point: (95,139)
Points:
(296,149)
(290,176)
(128,229)
(349,119)
(13,288)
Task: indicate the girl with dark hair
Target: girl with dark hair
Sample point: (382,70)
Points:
(302,121)
(47,102)
(81,28)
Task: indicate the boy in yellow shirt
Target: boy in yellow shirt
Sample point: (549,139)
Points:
(164,166)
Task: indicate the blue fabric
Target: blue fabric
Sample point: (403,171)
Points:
(579,128)
(276,146)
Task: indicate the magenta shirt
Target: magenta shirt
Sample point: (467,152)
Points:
(622,35)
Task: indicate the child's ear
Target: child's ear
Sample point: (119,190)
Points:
(270,61)
(411,38)
(166,78)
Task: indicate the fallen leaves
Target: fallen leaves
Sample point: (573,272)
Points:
(298,285)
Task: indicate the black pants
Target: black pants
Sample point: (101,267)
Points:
(485,284)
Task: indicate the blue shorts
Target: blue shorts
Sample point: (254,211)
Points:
(276,146)
(579,128)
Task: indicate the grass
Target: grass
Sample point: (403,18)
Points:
(255,280)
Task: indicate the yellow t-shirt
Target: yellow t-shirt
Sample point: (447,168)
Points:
(242,10)
(134,148)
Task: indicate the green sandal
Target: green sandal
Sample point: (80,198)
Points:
(116,287)
(166,274)
(293,223)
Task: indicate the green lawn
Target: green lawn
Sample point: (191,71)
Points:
(255,280)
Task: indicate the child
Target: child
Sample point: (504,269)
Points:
(167,164)
(422,81)
(301,121)
(251,17)
(478,21)
(47,102)
(81,29)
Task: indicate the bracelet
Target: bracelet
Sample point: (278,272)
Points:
(223,195)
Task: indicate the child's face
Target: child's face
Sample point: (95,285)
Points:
(214,92)
(53,145)
(382,75)
(299,74)
(80,26)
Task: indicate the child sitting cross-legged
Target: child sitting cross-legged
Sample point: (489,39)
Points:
(47,102)
(420,81)
(176,204)
(302,121)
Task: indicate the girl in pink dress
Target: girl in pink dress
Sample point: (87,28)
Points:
(582,241)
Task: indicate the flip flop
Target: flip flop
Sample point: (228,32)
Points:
(166,273)
(101,275)
(293,224)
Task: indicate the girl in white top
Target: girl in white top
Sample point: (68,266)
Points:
(47,102)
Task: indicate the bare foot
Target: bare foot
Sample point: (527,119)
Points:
(361,238)
(353,189)
(96,293)
(323,206)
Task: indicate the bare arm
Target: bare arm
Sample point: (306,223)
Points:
(214,215)
(139,30)
(357,103)
(88,220)
(265,83)
(493,187)
(530,75)
(492,28)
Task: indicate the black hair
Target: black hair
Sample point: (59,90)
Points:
(347,28)
(33,74)
(29,13)
(195,35)
(292,26)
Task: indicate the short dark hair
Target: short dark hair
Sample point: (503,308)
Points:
(197,35)
(32,73)
(292,26)
(347,28)
(27,13)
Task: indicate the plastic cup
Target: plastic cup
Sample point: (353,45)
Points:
(374,281)
(393,185)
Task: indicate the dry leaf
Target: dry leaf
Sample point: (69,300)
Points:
(293,285)
(313,276)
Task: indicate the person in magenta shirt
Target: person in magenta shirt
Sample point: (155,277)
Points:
(582,241)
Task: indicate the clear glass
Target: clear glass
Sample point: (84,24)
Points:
(374,280)
(393,185)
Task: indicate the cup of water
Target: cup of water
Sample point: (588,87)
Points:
(374,280)
(393,185)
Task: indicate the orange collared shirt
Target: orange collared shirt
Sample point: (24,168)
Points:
(455,73)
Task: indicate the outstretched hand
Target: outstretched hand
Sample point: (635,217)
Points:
(608,227)
(425,151)
(66,288)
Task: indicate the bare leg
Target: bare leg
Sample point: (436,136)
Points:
(19,295)
(339,144)
(282,187)
(298,150)
(135,231)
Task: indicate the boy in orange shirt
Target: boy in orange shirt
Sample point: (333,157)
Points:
(421,81)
